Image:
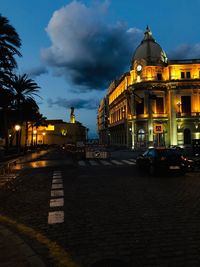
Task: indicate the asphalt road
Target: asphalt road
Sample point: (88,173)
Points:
(107,213)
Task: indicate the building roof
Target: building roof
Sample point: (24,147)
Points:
(149,51)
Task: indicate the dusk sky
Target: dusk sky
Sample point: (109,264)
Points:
(74,49)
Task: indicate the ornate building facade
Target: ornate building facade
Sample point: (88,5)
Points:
(156,103)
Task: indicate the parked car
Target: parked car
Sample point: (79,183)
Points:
(162,160)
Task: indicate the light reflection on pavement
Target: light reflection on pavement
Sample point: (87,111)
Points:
(36,160)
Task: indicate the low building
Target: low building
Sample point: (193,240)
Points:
(156,103)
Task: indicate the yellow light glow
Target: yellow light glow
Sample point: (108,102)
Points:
(17,127)
(34,131)
(50,128)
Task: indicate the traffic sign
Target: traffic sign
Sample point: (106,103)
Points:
(158,128)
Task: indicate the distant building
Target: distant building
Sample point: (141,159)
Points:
(57,132)
(156,103)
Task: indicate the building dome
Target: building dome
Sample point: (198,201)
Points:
(149,52)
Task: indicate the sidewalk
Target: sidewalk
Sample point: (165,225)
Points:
(15,252)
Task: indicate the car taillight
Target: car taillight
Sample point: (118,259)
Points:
(183,158)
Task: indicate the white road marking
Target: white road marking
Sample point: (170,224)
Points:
(56,181)
(55,217)
(93,163)
(57,202)
(134,160)
(57,176)
(128,162)
(116,162)
(57,193)
(81,163)
(57,186)
(104,162)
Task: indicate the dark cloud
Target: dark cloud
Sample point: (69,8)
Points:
(185,51)
(86,50)
(37,71)
(76,103)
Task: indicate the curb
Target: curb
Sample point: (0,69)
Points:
(56,253)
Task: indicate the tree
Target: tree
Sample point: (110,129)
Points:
(24,89)
(9,44)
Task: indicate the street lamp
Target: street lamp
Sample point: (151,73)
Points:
(35,137)
(43,134)
(17,129)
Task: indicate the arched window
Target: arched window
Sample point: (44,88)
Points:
(187,136)
(141,135)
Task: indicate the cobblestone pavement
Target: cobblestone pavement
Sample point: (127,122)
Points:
(112,212)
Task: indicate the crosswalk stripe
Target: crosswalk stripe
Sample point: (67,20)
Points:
(116,162)
(93,163)
(134,160)
(99,162)
(104,162)
(128,162)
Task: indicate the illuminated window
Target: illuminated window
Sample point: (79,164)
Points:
(141,135)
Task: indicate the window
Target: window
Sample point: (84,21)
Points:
(141,135)
(159,76)
(182,75)
(188,75)
(140,107)
(187,136)
(185,75)
(159,105)
(186,104)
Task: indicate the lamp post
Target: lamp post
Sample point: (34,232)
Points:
(43,134)
(35,137)
(17,129)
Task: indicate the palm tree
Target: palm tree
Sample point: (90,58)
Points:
(24,89)
(9,44)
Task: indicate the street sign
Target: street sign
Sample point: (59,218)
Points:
(158,128)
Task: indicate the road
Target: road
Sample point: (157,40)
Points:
(106,212)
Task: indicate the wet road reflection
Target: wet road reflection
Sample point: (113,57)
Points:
(42,164)
(42,159)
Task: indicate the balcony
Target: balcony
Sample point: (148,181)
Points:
(187,115)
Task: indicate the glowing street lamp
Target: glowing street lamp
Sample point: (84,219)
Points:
(43,134)
(17,129)
(35,137)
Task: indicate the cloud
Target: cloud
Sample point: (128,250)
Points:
(86,50)
(76,103)
(37,71)
(185,51)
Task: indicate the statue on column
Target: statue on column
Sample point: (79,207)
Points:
(72,116)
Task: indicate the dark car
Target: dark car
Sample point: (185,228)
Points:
(162,160)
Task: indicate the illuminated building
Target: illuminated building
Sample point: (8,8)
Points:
(156,103)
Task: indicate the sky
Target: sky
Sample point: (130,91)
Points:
(74,49)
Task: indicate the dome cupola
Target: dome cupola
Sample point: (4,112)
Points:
(149,52)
